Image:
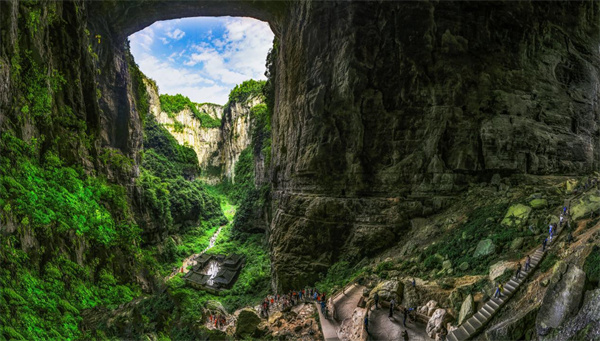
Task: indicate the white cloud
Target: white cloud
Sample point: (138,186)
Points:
(204,66)
(176,34)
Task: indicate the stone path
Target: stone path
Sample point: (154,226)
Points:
(383,327)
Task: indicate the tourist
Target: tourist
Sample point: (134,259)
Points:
(367,322)
(518,271)
(497,293)
(323,307)
(414,283)
(544,244)
(405,312)
(569,238)
(392,304)
(527,263)
(405,335)
(564,210)
(376,298)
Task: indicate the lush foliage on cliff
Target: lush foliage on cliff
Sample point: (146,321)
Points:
(164,156)
(246,90)
(59,215)
(175,104)
(171,198)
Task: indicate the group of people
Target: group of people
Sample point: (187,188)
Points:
(217,320)
(407,313)
(293,297)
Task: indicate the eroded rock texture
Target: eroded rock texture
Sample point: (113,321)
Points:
(383,110)
(386,109)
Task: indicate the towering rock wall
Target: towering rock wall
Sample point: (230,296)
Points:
(383,110)
(218,149)
(236,133)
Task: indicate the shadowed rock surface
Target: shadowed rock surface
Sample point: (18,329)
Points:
(383,111)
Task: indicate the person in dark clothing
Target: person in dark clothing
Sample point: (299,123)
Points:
(544,244)
(367,323)
(392,304)
(414,283)
(405,311)
(527,263)
(404,335)
(518,271)
(376,298)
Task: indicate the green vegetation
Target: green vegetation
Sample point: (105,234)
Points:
(139,87)
(482,223)
(592,266)
(548,262)
(246,90)
(164,156)
(175,104)
(43,290)
(38,87)
(340,274)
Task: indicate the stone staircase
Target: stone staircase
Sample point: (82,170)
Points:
(476,322)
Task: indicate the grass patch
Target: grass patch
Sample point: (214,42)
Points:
(548,261)
(338,275)
(478,226)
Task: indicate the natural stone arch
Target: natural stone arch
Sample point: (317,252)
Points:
(383,111)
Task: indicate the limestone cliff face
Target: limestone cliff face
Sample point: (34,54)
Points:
(383,110)
(218,149)
(236,133)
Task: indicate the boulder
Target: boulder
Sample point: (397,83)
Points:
(585,206)
(516,216)
(411,297)
(247,323)
(562,298)
(446,265)
(484,247)
(498,268)
(436,322)
(583,326)
(537,204)
(388,290)
(464,266)
(516,244)
(570,185)
(467,309)
(429,308)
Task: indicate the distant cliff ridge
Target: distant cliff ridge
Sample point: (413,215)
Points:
(217,133)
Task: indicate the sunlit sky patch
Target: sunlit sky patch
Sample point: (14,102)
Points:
(202,58)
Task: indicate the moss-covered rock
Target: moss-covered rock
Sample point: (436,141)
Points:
(466,309)
(247,322)
(484,247)
(516,216)
(585,206)
(388,290)
(537,204)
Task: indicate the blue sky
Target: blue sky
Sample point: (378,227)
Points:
(202,58)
